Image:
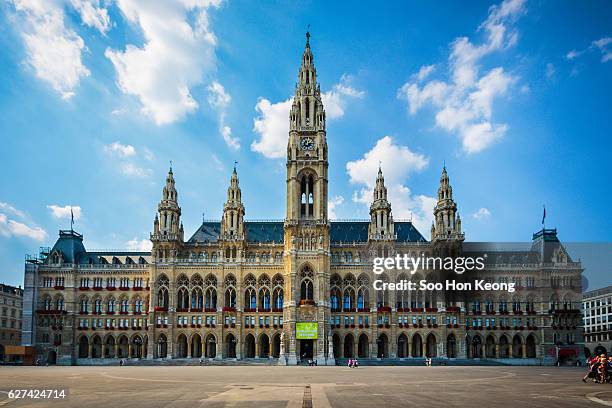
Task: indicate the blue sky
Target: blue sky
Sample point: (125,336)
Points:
(98,96)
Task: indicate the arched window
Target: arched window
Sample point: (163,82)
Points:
(162,297)
(48,303)
(307,196)
(264,298)
(182,301)
(138,306)
(349,299)
(210,299)
(196,298)
(362,299)
(125,306)
(306,290)
(230,297)
(250,298)
(110,306)
(84,305)
(277,298)
(335,299)
(98,306)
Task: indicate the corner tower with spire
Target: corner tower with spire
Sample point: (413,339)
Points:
(447,222)
(167,235)
(381,218)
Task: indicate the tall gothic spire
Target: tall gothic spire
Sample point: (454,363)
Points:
(232,223)
(381,217)
(168,218)
(307,111)
(447,223)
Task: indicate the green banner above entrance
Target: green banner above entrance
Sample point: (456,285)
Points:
(306,331)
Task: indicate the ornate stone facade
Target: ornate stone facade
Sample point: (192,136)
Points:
(238,289)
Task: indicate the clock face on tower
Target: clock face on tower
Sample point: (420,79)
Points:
(307,144)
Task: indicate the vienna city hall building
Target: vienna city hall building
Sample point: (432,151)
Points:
(300,288)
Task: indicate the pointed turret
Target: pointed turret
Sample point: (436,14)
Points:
(167,225)
(232,223)
(447,223)
(381,217)
(307,111)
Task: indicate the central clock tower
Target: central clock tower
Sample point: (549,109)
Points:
(307,242)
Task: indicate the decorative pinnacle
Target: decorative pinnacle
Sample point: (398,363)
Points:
(308,36)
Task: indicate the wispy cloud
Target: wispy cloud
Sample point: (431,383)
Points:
(53,50)
(219,99)
(481,214)
(12,228)
(178,52)
(127,157)
(464,103)
(603,46)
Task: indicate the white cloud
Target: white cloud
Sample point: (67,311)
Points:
(219,99)
(424,72)
(464,103)
(573,54)
(603,45)
(92,14)
(177,54)
(231,141)
(217,96)
(335,101)
(332,205)
(143,245)
(65,211)
(10,228)
(482,214)
(127,158)
(272,125)
(53,50)
(272,122)
(132,170)
(398,162)
(402,162)
(6,207)
(120,150)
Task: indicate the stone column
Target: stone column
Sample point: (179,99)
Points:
(203,347)
(89,350)
(129,350)
(524,350)
(497,351)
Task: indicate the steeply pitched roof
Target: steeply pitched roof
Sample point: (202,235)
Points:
(273,231)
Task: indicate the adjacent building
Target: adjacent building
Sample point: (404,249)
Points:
(300,287)
(597,316)
(11,299)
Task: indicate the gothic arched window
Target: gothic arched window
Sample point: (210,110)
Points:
(307,196)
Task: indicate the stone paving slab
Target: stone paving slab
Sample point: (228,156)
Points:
(295,387)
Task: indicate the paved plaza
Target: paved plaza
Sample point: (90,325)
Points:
(272,387)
